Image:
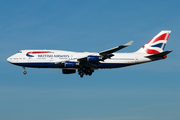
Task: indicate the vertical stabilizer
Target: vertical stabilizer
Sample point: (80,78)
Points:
(157,44)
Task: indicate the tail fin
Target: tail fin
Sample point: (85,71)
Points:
(157,44)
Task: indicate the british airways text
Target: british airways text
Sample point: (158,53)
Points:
(53,56)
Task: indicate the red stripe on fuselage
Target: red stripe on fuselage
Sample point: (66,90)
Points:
(38,52)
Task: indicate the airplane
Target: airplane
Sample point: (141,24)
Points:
(86,62)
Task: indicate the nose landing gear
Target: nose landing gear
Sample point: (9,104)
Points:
(24,71)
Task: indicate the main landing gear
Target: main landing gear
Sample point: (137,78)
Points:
(24,71)
(81,72)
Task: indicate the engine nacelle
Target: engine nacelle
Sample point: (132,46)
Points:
(69,64)
(66,71)
(91,58)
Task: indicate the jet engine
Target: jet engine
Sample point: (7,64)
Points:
(91,58)
(69,64)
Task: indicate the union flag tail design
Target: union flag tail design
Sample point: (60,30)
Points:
(157,44)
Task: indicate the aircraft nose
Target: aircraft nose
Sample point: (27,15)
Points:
(9,60)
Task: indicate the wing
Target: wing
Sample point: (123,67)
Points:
(92,61)
(106,52)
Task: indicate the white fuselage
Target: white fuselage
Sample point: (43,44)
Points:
(49,58)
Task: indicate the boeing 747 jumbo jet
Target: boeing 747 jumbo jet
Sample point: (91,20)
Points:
(85,62)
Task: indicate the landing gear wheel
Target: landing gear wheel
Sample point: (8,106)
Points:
(90,73)
(81,73)
(24,72)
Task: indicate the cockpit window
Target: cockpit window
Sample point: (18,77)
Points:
(20,52)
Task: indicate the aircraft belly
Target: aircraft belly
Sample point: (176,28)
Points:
(39,65)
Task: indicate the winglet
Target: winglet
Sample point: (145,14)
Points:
(129,43)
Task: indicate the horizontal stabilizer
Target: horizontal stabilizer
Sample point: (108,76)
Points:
(162,54)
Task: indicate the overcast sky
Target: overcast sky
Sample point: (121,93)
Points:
(148,91)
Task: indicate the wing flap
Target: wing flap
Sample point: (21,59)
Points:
(91,65)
